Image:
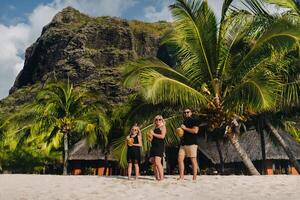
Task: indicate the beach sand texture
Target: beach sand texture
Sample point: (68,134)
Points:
(50,187)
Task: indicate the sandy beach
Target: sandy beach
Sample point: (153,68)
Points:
(49,187)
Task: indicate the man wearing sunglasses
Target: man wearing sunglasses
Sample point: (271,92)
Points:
(188,146)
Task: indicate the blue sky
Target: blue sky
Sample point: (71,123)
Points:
(21,22)
(17,11)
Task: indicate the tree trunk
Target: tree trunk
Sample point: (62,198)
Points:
(286,148)
(246,160)
(221,157)
(105,164)
(259,128)
(66,154)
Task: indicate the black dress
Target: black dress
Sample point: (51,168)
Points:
(157,145)
(134,152)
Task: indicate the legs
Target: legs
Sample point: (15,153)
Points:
(156,173)
(137,170)
(181,166)
(191,152)
(181,156)
(159,175)
(195,167)
(129,170)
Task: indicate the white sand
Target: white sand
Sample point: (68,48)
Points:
(49,187)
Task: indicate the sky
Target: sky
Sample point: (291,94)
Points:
(21,23)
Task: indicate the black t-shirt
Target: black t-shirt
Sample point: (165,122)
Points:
(189,138)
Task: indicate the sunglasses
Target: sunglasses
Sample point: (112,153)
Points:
(134,129)
(158,119)
(186,112)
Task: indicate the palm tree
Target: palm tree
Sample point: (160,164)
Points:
(229,70)
(290,97)
(60,113)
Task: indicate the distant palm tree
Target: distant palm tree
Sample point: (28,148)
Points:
(291,91)
(229,70)
(61,112)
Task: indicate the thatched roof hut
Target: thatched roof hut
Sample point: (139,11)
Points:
(84,160)
(251,142)
(81,151)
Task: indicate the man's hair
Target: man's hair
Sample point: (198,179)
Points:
(188,108)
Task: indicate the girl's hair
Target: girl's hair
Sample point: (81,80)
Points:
(137,127)
(159,117)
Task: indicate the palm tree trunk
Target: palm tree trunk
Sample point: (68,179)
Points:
(66,154)
(220,156)
(259,128)
(105,164)
(246,160)
(286,148)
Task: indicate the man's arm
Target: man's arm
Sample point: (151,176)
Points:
(193,130)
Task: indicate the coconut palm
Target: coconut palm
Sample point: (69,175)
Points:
(60,113)
(291,90)
(229,70)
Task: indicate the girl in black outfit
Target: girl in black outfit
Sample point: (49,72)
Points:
(157,146)
(134,150)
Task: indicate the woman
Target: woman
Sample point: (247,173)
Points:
(158,146)
(134,143)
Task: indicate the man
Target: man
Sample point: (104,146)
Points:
(188,146)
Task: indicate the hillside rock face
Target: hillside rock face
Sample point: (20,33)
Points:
(88,50)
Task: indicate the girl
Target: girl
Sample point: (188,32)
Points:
(134,150)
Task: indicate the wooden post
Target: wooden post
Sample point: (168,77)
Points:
(293,171)
(100,171)
(269,167)
(77,171)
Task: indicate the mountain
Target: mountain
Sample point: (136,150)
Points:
(88,51)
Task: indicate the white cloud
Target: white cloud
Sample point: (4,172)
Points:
(154,14)
(15,39)
(98,7)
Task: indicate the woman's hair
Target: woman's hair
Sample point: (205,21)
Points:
(159,117)
(137,127)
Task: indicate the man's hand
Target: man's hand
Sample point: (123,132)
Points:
(183,126)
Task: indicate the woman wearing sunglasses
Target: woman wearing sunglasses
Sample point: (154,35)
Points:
(158,146)
(134,143)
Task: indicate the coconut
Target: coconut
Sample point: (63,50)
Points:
(130,141)
(179,132)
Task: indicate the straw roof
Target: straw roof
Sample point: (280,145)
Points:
(81,151)
(251,142)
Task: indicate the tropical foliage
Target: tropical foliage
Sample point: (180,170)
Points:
(60,117)
(230,69)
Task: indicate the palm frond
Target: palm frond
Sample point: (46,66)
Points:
(290,4)
(280,36)
(132,70)
(259,92)
(158,88)
(196,35)
(257,7)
